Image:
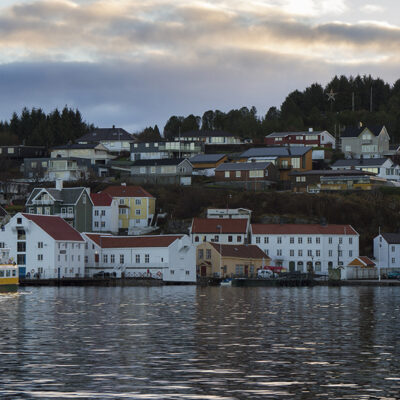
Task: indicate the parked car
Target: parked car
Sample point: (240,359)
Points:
(393,275)
(265,274)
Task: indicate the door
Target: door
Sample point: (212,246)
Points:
(203,270)
(246,270)
(291,266)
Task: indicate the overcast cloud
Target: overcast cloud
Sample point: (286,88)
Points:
(135,63)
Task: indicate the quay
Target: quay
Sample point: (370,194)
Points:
(106,281)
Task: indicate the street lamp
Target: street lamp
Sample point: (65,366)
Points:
(220,255)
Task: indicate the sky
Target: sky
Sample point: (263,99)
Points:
(133,64)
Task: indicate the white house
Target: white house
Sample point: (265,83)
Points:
(105,213)
(387,251)
(220,230)
(302,247)
(172,258)
(44,246)
(382,167)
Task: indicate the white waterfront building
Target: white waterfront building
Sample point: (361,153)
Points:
(44,246)
(387,251)
(172,258)
(306,247)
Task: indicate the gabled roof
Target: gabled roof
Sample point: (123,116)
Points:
(101,199)
(206,158)
(302,229)
(240,251)
(211,225)
(108,241)
(276,151)
(126,191)
(284,134)
(366,261)
(74,146)
(332,172)
(242,166)
(367,162)
(100,134)
(355,131)
(65,195)
(207,134)
(56,227)
(163,161)
(391,238)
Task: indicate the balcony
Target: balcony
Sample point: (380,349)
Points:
(66,215)
(43,202)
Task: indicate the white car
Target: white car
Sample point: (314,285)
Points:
(265,273)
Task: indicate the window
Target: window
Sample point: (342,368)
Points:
(340,253)
(58,258)
(330,240)
(138,202)
(137,258)
(19,221)
(105,258)
(121,258)
(309,239)
(70,210)
(291,240)
(230,238)
(200,254)
(152,170)
(340,240)
(318,240)
(172,272)
(239,239)
(86,259)
(40,257)
(279,240)
(96,224)
(266,240)
(309,253)
(299,240)
(196,238)
(350,253)
(300,253)
(21,234)
(256,174)
(238,174)
(227,174)
(112,258)
(279,252)
(258,239)
(318,253)
(103,213)
(137,212)
(393,248)
(121,201)
(103,224)
(330,253)
(63,210)
(300,178)
(21,247)
(291,253)
(350,240)
(21,259)
(208,254)
(40,245)
(96,213)
(122,211)
(393,260)
(147,258)
(216,238)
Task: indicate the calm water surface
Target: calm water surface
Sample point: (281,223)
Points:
(184,342)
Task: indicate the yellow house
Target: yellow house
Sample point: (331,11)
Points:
(136,206)
(228,260)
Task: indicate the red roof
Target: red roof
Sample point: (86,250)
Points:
(211,225)
(108,241)
(240,251)
(126,191)
(56,227)
(301,229)
(101,199)
(368,262)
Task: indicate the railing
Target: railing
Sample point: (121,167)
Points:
(65,215)
(42,202)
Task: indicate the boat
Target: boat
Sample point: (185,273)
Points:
(226,282)
(8,270)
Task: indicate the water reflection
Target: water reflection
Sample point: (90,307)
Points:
(185,342)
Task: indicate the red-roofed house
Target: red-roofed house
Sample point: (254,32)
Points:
(105,213)
(219,230)
(229,260)
(171,258)
(136,206)
(44,246)
(307,247)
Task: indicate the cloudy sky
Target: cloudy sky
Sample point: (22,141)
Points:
(135,63)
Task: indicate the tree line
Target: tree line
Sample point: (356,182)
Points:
(35,127)
(354,99)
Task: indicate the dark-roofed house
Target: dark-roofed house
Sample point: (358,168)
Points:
(207,161)
(97,153)
(372,141)
(171,258)
(219,230)
(387,252)
(72,204)
(382,166)
(114,139)
(165,171)
(44,246)
(210,137)
(285,159)
(250,175)
(307,138)
(229,260)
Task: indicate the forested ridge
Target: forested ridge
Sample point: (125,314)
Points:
(355,99)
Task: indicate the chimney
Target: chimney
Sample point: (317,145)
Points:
(59,184)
